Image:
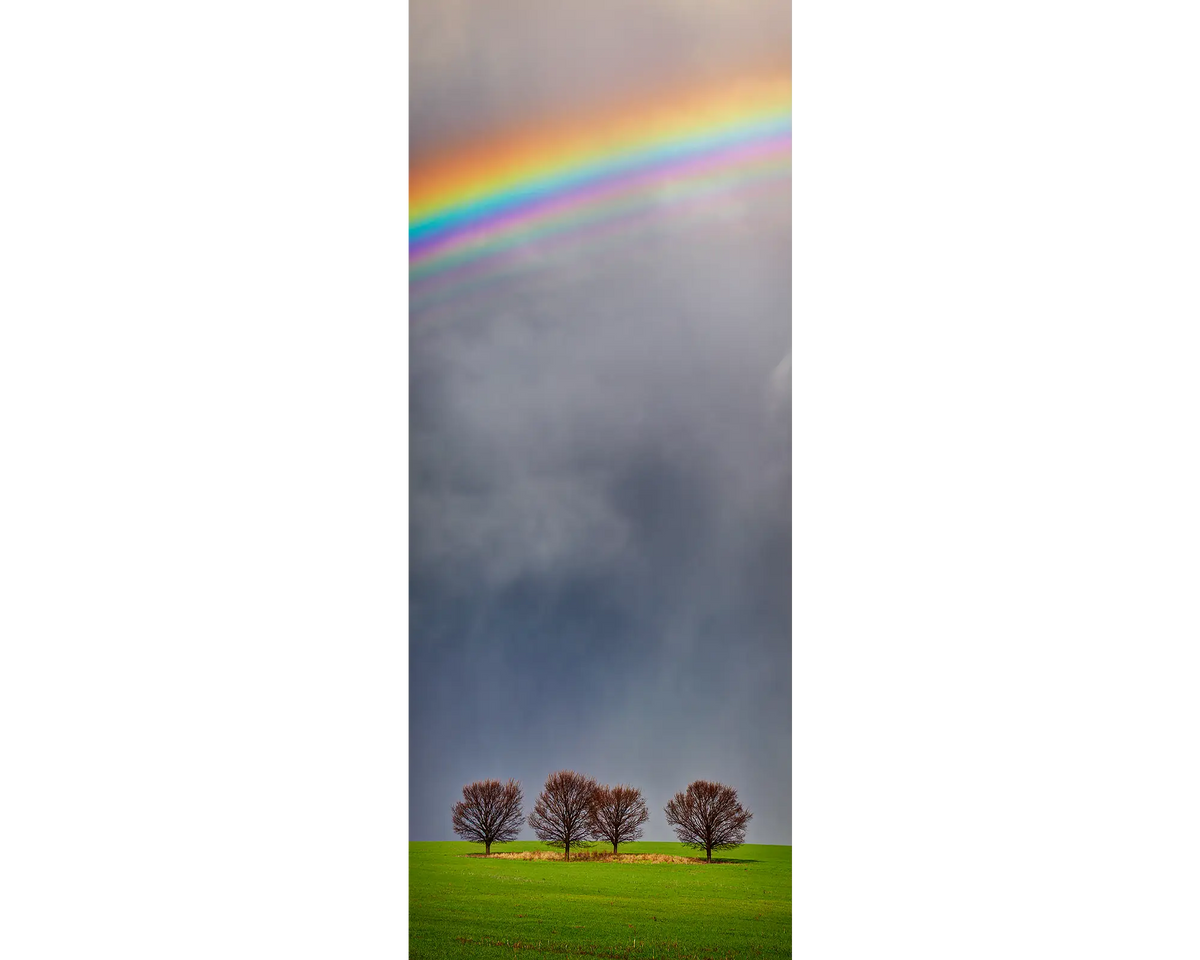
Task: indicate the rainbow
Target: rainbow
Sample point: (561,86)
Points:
(504,204)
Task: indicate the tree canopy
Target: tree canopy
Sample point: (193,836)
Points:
(618,814)
(489,812)
(562,814)
(708,816)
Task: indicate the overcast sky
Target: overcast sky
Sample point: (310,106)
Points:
(600,456)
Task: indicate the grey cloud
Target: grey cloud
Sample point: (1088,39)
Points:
(478,65)
(600,500)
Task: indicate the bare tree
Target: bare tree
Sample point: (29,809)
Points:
(708,815)
(489,812)
(617,814)
(561,815)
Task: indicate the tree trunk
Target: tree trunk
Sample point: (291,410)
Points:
(568,850)
(487,848)
(614,849)
(708,854)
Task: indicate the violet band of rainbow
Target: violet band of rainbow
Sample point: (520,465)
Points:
(575,224)
(596,236)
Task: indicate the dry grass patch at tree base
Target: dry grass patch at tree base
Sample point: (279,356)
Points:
(590,856)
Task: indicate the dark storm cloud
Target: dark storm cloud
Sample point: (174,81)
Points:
(600,519)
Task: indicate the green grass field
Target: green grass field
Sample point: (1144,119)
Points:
(462,906)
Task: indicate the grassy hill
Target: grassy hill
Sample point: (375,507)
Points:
(464,905)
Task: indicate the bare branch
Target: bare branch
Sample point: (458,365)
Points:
(617,814)
(489,812)
(561,815)
(708,816)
